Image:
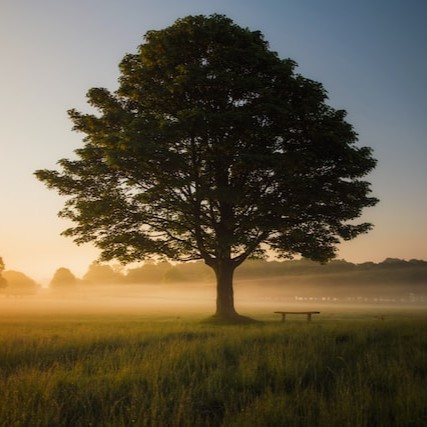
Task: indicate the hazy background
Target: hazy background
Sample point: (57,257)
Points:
(370,55)
(171,291)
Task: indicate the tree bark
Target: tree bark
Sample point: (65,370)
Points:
(224,271)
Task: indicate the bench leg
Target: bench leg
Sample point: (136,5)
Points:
(308,317)
(283,317)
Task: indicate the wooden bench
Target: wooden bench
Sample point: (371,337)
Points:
(308,313)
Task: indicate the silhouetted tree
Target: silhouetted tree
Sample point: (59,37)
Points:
(213,148)
(102,274)
(19,283)
(189,272)
(63,279)
(150,272)
(3,281)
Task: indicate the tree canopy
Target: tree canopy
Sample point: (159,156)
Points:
(63,279)
(213,148)
(102,274)
(19,283)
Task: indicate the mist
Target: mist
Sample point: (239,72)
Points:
(178,300)
(173,291)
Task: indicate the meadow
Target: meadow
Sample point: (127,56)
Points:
(106,367)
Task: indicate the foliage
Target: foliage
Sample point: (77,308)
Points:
(213,148)
(102,274)
(150,272)
(196,272)
(338,372)
(406,274)
(395,271)
(19,283)
(63,279)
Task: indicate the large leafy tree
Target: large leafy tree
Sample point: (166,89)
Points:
(213,148)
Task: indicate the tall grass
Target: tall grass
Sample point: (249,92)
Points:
(122,372)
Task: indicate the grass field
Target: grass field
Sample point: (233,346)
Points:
(345,368)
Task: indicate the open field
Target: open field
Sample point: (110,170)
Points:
(85,363)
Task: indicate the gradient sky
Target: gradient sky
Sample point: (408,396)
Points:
(370,55)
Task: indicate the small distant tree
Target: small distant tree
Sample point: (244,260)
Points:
(150,272)
(102,274)
(3,281)
(63,279)
(189,272)
(213,148)
(174,274)
(19,283)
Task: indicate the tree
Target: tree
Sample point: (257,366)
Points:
(213,148)
(20,284)
(63,279)
(102,274)
(3,281)
(150,272)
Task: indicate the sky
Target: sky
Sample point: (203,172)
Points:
(370,55)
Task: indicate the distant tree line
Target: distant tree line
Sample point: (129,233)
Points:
(305,275)
(392,277)
(148,273)
(391,270)
(15,283)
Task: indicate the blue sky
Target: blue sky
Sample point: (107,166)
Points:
(370,55)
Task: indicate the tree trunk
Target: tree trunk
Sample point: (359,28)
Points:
(224,272)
